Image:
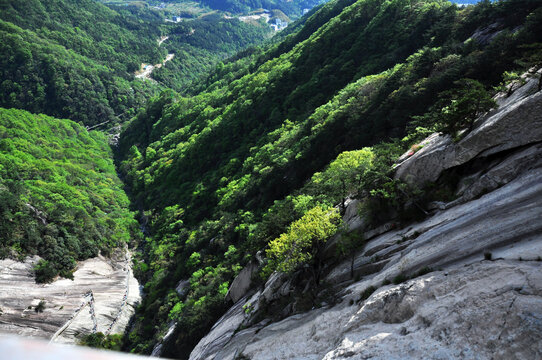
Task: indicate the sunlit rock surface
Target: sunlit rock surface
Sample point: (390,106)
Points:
(516,122)
(472,308)
(100,298)
(485,310)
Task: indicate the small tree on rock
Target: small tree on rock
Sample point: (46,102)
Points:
(304,242)
(458,108)
(343,175)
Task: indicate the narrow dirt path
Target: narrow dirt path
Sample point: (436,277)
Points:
(146,70)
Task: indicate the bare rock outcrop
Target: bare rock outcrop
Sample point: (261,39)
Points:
(101,297)
(241,284)
(473,296)
(469,277)
(486,310)
(517,122)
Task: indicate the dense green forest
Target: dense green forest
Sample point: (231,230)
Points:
(201,43)
(224,159)
(240,165)
(76,59)
(60,196)
(291,8)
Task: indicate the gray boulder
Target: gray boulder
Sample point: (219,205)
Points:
(241,284)
(517,122)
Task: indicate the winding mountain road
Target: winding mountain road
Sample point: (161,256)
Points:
(146,70)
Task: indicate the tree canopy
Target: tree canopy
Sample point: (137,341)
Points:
(304,240)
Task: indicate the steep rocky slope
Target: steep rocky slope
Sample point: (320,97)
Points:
(101,297)
(481,294)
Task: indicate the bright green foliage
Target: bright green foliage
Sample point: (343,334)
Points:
(347,247)
(241,140)
(75,59)
(303,241)
(44,271)
(60,197)
(468,101)
(343,175)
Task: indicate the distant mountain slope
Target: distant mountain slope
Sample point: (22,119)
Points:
(466,1)
(198,44)
(60,197)
(118,39)
(291,8)
(74,59)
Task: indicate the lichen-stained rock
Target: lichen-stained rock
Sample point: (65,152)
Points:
(69,310)
(517,122)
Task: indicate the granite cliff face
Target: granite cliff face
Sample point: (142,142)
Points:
(101,297)
(475,264)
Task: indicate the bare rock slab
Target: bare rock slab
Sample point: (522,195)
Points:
(101,297)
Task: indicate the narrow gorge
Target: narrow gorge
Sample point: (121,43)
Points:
(269,179)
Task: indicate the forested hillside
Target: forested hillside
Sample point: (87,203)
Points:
(239,166)
(76,59)
(244,148)
(291,8)
(199,44)
(60,197)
